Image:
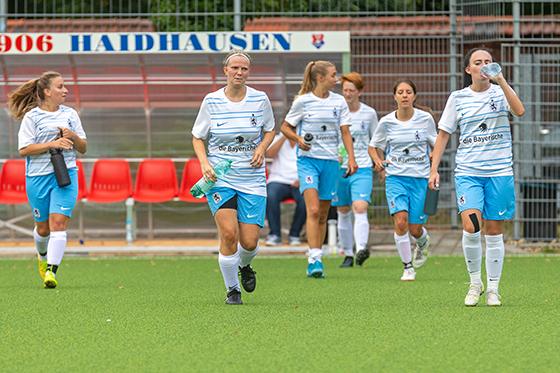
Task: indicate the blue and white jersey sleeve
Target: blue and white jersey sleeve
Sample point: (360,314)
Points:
(485,141)
(40,127)
(233,130)
(321,117)
(364,122)
(406,144)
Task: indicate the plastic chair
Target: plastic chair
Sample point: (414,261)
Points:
(110,181)
(82,186)
(191,174)
(156,181)
(12,182)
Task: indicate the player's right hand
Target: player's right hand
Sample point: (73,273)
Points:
(208,172)
(433,181)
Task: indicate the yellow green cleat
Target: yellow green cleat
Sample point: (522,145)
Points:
(50,280)
(42,265)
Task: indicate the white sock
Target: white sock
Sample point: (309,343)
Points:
(361,230)
(403,247)
(472,248)
(56,247)
(421,241)
(494,260)
(314,255)
(344,226)
(41,244)
(246,256)
(229,265)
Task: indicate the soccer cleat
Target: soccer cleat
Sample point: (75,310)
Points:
(473,295)
(50,280)
(421,254)
(409,274)
(315,269)
(42,266)
(233,297)
(348,262)
(248,278)
(493,299)
(362,256)
(294,241)
(273,240)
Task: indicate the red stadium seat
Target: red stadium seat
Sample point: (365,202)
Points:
(191,174)
(156,181)
(110,181)
(12,182)
(82,186)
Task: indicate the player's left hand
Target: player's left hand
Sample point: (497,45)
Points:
(67,133)
(258,157)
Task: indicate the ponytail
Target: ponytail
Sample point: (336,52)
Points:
(313,69)
(29,95)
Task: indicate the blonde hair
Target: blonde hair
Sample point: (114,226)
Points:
(354,78)
(236,52)
(312,70)
(28,95)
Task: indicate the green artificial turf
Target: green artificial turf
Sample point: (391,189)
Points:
(167,314)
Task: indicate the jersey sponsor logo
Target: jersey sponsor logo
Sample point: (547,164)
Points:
(36,213)
(406,151)
(216,197)
(323,127)
(240,139)
(483,127)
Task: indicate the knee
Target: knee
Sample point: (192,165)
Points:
(248,244)
(57,225)
(228,236)
(43,230)
(401,224)
(416,231)
(313,212)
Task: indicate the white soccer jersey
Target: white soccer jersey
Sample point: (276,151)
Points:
(363,126)
(38,127)
(485,140)
(406,144)
(322,117)
(233,131)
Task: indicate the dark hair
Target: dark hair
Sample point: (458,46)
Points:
(28,95)
(413,86)
(354,78)
(467,79)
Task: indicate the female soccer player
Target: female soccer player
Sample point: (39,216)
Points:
(320,116)
(406,137)
(47,125)
(484,175)
(238,124)
(353,193)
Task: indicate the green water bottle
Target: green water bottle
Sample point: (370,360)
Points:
(343,154)
(202,186)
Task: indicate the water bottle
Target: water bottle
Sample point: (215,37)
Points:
(60,169)
(431,202)
(202,186)
(308,138)
(491,70)
(342,154)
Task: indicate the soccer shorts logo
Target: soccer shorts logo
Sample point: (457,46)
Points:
(392,203)
(216,197)
(461,201)
(309,179)
(36,213)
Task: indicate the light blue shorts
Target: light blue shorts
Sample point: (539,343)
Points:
(405,193)
(319,174)
(493,196)
(356,187)
(251,208)
(46,197)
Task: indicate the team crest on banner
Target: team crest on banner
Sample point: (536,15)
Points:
(318,40)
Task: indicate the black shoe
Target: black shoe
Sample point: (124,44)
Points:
(361,256)
(348,262)
(233,297)
(248,278)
